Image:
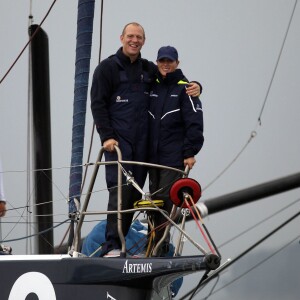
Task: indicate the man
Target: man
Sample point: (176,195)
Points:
(3,249)
(119,104)
(2,197)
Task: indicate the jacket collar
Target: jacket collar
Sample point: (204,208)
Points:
(125,59)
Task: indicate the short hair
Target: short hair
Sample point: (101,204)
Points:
(135,24)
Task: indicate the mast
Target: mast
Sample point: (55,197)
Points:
(42,160)
(85,20)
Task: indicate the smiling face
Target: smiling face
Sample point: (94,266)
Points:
(132,39)
(166,65)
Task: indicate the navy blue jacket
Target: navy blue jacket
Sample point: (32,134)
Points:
(119,103)
(116,109)
(176,121)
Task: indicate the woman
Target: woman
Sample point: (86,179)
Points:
(176,130)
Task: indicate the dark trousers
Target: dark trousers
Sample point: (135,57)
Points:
(159,178)
(129,196)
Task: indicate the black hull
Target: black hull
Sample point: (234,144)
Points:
(94,278)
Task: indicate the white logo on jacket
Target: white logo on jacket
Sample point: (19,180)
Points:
(198,107)
(153,95)
(118,99)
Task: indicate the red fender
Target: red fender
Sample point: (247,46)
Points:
(185,185)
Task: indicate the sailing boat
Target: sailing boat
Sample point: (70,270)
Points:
(71,274)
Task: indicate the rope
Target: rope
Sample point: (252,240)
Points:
(204,226)
(254,132)
(201,230)
(29,41)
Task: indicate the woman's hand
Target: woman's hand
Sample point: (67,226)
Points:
(190,161)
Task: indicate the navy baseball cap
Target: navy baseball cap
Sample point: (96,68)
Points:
(167,52)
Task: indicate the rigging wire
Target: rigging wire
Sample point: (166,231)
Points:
(259,115)
(64,238)
(37,234)
(35,222)
(257,224)
(28,184)
(28,245)
(15,225)
(200,289)
(254,132)
(29,41)
(277,62)
(27,235)
(213,288)
(101,30)
(86,221)
(242,254)
(255,266)
(206,231)
(253,135)
(206,236)
(30,208)
(57,187)
(21,216)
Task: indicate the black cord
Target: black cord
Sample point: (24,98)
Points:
(39,233)
(205,276)
(205,281)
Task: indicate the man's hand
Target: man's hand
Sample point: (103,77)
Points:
(193,89)
(109,145)
(190,161)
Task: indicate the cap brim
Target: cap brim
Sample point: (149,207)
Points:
(166,56)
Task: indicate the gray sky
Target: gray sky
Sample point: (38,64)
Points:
(231,47)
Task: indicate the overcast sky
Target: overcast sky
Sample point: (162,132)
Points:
(231,47)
